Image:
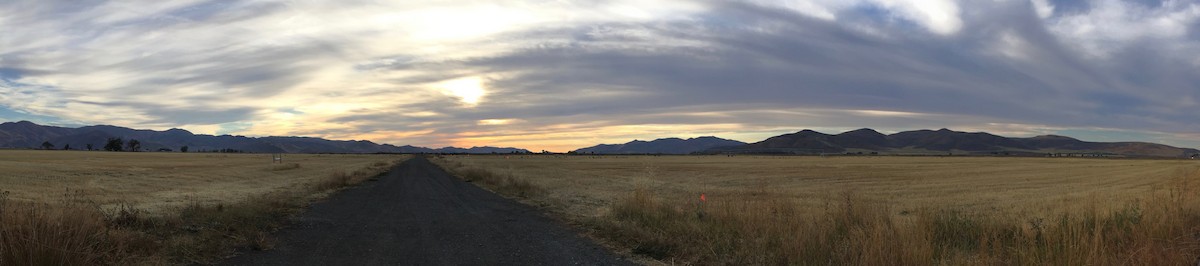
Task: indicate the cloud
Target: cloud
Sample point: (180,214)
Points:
(1044,8)
(940,16)
(497,121)
(543,74)
(1111,25)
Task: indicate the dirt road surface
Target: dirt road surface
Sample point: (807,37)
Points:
(417,214)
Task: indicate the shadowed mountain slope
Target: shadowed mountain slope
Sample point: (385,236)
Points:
(945,141)
(662,146)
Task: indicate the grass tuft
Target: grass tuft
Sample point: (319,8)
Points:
(505,184)
(285,166)
(69,233)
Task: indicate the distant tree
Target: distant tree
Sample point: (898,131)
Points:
(67,147)
(89,146)
(164,150)
(134,145)
(47,145)
(114,144)
(183,149)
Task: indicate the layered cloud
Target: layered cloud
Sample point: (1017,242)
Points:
(559,75)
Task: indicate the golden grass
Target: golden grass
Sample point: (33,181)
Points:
(874,210)
(158,182)
(505,184)
(60,234)
(154,208)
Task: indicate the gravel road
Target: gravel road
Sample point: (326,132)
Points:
(417,214)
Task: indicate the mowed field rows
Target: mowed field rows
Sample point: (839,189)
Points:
(866,210)
(161,181)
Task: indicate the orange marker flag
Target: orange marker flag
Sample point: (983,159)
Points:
(702,199)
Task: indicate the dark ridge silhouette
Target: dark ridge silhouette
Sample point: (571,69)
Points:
(28,135)
(946,141)
(662,146)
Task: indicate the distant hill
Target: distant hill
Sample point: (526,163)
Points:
(25,134)
(662,146)
(946,141)
(484,149)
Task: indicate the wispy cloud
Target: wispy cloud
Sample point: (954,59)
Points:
(541,74)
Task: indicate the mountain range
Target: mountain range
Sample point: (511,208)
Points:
(945,141)
(25,134)
(28,135)
(662,146)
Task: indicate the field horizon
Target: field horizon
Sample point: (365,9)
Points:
(29,135)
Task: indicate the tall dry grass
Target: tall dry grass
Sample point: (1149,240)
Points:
(869,211)
(504,184)
(68,233)
(164,182)
(79,231)
(1161,229)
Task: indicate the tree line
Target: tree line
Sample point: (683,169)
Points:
(117,144)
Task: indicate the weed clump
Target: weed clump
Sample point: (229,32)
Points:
(66,233)
(285,166)
(505,184)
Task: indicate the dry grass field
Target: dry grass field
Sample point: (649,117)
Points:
(125,208)
(866,210)
(158,182)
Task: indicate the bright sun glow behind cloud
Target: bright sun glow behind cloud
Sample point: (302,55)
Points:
(469,90)
(492,122)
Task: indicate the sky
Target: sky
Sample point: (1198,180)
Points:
(560,75)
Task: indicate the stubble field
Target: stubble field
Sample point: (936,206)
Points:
(865,210)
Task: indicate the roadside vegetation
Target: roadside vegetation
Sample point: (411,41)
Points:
(503,184)
(76,229)
(1163,229)
(1141,213)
